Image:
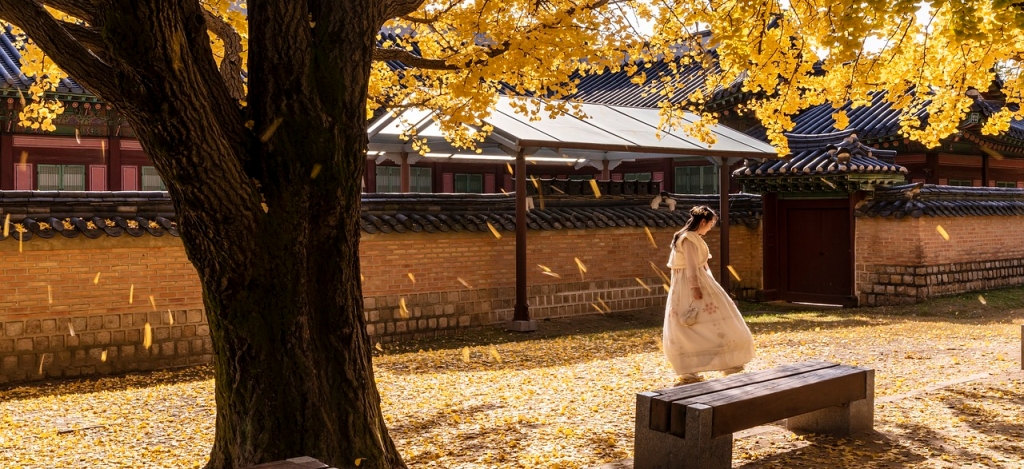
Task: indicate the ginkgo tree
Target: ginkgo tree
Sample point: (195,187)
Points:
(255,115)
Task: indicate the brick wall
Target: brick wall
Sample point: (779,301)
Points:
(35,333)
(49,291)
(907,260)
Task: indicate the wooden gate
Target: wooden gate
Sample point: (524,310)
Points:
(815,243)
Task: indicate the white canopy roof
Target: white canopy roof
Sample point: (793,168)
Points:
(613,133)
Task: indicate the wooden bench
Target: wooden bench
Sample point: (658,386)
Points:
(691,426)
(304,462)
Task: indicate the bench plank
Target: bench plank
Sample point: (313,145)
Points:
(741,408)
(661,405)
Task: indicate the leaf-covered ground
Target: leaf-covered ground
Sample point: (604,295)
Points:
(949,393)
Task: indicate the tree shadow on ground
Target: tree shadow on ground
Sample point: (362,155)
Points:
(861,451)
(111,382)
(969,404)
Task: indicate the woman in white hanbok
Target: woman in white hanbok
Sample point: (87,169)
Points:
(704,330)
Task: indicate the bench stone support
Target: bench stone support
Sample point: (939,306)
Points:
(657,450)
(841,420)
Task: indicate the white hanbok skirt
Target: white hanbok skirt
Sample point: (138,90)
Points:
(707,334)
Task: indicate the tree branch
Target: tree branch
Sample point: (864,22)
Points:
(87,36)
(231,64)
(86,10)
(412,60)
(397,8)
(71,55)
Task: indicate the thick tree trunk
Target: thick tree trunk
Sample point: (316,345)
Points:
(281,280)
(281,284)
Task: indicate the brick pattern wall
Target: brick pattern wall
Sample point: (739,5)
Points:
(437,301)
(50,285)
(907,260)
(50,291)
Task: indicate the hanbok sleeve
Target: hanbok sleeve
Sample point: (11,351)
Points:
(690,255)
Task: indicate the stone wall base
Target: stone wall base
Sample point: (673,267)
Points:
(895,284)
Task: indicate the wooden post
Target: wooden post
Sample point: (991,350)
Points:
(723,230)
(984,169)
(606,174)
(404,174)
(114,182)
(521,316)
(6,161)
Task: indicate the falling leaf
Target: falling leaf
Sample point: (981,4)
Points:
(556,189)
(660,273)
(103,356)
(266,208)
(411,277)
(77,137)
(991,152)
(494,230)
(494,354)
(24,157)
(942,232)
(642,284)
(583,268)
(49,294)
(981,298)
(378,347)
(552,274)
(359,461)
(7,225)
(147,336)
(650,237)
(665,286)
(503,191)
(42,358)
(316,171)
(403,309)
(509,166)
(71,329)
(131,294)
(463,282)
(465,354)
(544,267)
(96,281)
(733,272)
(535,183)
(21,241)
(597,191)
(152,302)
(265,136)
(603,304)
(361,278)
(828,183)
(170,317)
(598,308)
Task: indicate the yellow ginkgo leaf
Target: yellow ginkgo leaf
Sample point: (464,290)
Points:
(733,272)
(942,232)
(463,282)
(96,280)
(403,310)
(650,237)
(411,277)
(378,347)
(642,284)
(595,188)
(465,354)
(494,231)
(147,336)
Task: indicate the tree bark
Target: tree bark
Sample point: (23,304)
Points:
(281,284)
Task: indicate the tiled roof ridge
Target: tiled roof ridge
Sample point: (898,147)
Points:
(824,154)
(93,214)
(917,200)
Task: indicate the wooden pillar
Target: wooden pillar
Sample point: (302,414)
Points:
(404,174)
(113,155)
(932,164)
(984,169)
(521,316)
(769,246)
(6,162)
(723,189)
(606,174)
